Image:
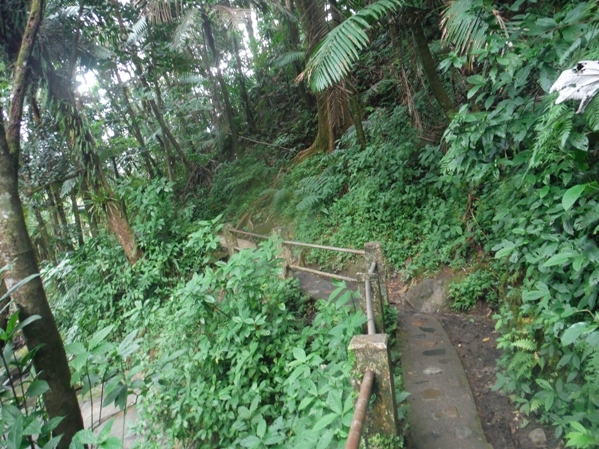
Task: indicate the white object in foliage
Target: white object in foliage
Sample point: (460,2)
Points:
(579,83)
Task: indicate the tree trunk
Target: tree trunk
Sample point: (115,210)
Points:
(41,226)
(223,86)
(77,217)
(244,93)
(430,69)
(92,220)
(356,111)
(134,127)
(54,219)
(81,137)
(50,360)
(62,218)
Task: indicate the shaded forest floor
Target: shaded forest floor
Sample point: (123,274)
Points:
(475,340)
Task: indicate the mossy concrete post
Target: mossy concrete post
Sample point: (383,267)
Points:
(281,234)
(230,239)
(374,253)
(377,304)
(372,352)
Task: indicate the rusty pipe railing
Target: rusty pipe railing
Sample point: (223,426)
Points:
(355,431)
(307,245)
(369,308)
(322,273)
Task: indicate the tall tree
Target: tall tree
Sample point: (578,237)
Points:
(16,250)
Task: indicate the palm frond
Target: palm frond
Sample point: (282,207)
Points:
(466,25)
(138,30)
(159,11)
(332,60)
(314,16)
(191,78)
(232,16)
(288,58)
(184,29)
(337,99)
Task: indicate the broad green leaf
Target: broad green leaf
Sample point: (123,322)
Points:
(571,195)
(37,388)
(299,354)
(325,421)
(560,259)
(576,330)
(250,441)
(261,430)
(52,443)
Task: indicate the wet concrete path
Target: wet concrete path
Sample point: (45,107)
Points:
(442,412)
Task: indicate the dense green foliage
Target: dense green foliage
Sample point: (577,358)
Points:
(193,115)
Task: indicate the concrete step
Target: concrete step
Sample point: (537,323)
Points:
(442,412)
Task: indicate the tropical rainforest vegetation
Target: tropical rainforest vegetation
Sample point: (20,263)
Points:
(131,131)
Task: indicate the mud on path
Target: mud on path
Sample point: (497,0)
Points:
(475,340)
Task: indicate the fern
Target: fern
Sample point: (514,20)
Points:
(138,30)
(464,25)
(591,114)
(288,58)
(525,344)
(333,57)
(553,131)
(592,370)
(522,364)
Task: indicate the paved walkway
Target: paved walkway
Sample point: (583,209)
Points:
(442,412)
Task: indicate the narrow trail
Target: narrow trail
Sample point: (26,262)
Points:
(442,411)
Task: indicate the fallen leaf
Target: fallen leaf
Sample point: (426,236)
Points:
(486,339)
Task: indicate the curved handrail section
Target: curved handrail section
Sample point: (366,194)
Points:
(357,424)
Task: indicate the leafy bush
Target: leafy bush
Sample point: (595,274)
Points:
(230,350)
(480,285)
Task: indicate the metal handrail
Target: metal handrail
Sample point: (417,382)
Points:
(307,245)
(251,234)
(355,431)
(322,273)
(369,311)
(369,308)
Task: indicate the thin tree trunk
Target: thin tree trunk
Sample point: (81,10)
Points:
(356,111)
(167,154)
(77,217)
(42,335)
(82,138)
(62,218)
(41,226)
(223,86)
(244,93)
(430,69)
(134,126)
(92,220)
(54,217)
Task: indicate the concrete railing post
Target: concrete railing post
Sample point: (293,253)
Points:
(230,239)
(377,304)
(374,253)
(371,352)
(281,233)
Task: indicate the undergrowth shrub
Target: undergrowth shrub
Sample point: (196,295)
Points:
(533,164)
(232,350)
(480,285)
